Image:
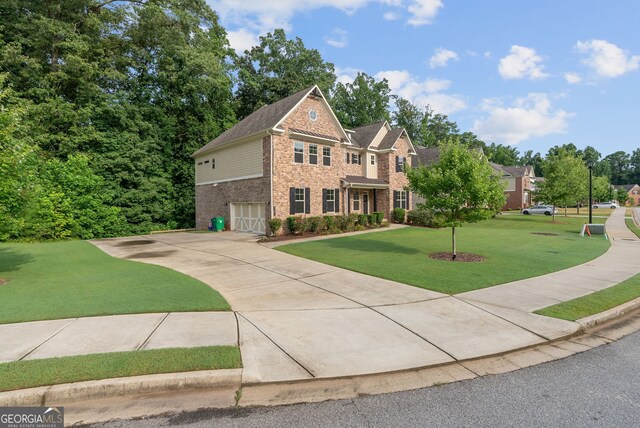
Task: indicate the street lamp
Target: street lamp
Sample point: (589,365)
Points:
(590,165)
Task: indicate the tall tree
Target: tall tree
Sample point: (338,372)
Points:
(276,68)
(535,160)
(619,164)
(362,102)
(461,186)
(503,155)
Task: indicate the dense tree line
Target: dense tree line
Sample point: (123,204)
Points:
(102,103)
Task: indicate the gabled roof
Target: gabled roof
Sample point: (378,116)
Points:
(265,118)
(426,155)
(363,136)
(626,187)
(517,171)
(390,139)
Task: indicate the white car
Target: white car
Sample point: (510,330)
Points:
(612,205)
(540,209)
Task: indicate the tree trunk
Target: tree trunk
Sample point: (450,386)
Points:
(453,242)
(578,207)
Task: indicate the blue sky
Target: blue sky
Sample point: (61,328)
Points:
(533,74)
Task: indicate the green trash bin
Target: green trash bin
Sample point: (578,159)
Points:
(218,224)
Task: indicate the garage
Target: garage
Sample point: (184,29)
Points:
(248,217)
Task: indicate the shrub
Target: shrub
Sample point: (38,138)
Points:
(426,218)
(350,221)
(371,219)
(297,225)
(275,224)
(397,215)
(315,224)
(362,219)
(329,222)
(379,215)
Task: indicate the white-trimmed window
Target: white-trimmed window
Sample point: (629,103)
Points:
(326,156)
(331,200)
(298,152)
(400,199)
(299,200)
(313,154)
(356,201)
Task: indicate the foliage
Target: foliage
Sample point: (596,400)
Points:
(461,186)
(363,219)
(602,189)
(297,225)
(379,216)
(428,128)
(275,224)
(622,196)
(503,155)
(398,215)
(566,180)
(362,102)
(329,221)
(315,224)
(425,218)
(277,68)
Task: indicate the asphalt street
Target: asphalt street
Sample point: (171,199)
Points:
(598,388)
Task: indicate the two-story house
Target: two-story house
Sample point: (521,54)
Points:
(520,185)
(633,192)
(293,157)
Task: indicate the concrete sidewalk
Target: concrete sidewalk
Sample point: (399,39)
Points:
(298,319)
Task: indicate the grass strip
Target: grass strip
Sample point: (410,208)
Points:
(75,279)
(632,226)
(53,371)
(595,303)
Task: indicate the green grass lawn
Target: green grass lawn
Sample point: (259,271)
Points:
(52,371)
(595,303)
(74,279)
(632,226)
(508,243)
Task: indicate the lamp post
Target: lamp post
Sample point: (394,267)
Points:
(590,165)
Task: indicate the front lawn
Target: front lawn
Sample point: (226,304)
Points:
(53,371)
(632,226)
(595,303)
(75,279)
(513,246)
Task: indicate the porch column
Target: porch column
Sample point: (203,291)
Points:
(348,201)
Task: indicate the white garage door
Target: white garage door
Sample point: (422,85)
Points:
(248,217)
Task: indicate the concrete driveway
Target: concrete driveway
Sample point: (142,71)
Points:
(300,319)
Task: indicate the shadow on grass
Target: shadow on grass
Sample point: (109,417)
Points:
(11,260)
(369,245)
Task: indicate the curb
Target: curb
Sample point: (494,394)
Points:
(609,315)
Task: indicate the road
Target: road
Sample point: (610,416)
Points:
(598,388)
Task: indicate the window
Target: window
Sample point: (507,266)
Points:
(298,152)
(373,159)
(400,163)
(356,201)
(354,158)
(213,163)
(313,154)
(313,115)
(400,199)
(326,156)
(331,200)
(299,200)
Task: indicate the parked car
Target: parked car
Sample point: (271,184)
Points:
(540,209)
(612,205)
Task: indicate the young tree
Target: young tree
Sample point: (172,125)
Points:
(461,185)
(566,180)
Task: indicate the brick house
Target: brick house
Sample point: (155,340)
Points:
(293,157)
(520,180)
(633,191)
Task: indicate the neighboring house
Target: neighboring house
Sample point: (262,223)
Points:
(294,158)
(633,191)
(520,180)
(520,183)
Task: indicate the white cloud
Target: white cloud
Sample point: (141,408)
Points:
(242,40)
(391,16)
(607,59)
(347,74)
(423,11)
(441,58)
(338,39)
(423,92)
(520,63)
(531,116)
(572,78)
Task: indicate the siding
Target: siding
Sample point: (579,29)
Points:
(235,162)
(372,170)
(511,184)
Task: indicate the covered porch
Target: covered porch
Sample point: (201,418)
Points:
(364,195)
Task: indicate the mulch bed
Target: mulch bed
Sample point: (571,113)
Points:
(544,233)
(293,237)
(460,257)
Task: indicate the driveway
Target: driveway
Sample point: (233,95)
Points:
(299,319)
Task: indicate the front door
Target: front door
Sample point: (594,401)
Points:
(365,203)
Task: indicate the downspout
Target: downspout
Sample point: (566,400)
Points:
(271,209)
